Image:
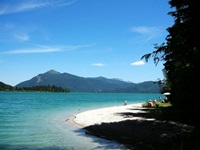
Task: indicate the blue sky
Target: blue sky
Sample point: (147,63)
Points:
(88,38)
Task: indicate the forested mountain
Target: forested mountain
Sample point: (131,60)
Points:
(4,87)
(82,84)
(48,88)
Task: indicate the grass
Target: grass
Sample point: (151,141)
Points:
(158,104)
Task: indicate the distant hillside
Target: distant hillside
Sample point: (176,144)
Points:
(5,87)
(49,88)
(81,84)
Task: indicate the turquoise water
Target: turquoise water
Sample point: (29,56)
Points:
(38,120)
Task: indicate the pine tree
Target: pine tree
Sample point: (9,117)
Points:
(181,56)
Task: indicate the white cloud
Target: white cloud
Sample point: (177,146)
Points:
(46,49)
(146,34)
(23,6)
(145,30)
(22,37)
(98,64)
(138,63)
(35,50)
(15,32)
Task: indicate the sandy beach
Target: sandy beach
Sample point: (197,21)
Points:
(134,126)
(108,115)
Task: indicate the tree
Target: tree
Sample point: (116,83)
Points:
(5,87)
(181,56)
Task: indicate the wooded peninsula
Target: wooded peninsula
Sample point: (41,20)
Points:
(48,88)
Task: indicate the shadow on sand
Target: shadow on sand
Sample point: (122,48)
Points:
(147,134)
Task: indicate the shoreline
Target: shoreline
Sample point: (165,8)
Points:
(107,115)
(133,126)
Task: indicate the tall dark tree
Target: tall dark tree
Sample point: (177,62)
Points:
(181,56)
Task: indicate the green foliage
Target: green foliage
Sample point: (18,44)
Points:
(5,87)
(43,89)
(181,56)
(159,104)
(49,88)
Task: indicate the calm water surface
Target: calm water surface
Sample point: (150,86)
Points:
(38,120)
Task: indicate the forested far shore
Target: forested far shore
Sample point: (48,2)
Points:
(48,88)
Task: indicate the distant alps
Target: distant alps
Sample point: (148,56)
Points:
(88,84)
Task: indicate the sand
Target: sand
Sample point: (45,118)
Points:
(134,127)
(108,115)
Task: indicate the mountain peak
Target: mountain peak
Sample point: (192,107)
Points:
(81,84)
(53,72)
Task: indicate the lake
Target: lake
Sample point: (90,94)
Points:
(36,120)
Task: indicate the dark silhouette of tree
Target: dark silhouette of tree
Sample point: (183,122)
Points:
(181,56)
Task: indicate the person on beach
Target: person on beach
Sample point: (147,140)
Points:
(125,103)
(161,100)
(150,103)
(155,103)
(166,100)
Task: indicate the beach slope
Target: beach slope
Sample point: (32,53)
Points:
(108,115)
(133,126)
